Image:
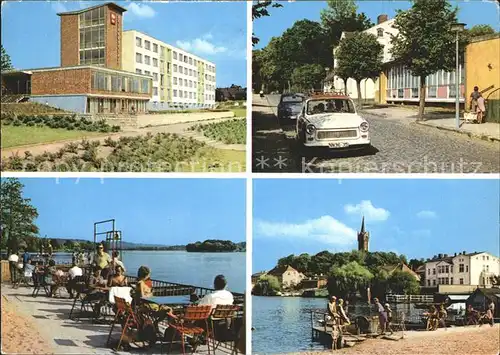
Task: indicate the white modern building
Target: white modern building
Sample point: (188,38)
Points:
(181,80)
(472,269)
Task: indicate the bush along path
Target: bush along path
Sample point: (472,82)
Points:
(221,134)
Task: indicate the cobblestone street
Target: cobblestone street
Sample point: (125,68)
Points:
(399,146)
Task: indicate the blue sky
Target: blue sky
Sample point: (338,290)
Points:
(152,211)
(215,31)
(418,218)
(472,12)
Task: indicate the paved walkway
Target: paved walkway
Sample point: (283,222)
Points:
(486,131)
(178,128)
(65,336)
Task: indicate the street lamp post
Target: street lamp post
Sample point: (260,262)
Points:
(457,28)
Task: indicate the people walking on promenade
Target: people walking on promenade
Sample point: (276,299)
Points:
(382,315)
(442,315)
(388,310)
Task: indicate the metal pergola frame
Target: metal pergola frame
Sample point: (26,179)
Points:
(113,239)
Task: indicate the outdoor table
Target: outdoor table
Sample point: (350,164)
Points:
(168,300)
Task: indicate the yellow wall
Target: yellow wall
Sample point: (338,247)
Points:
(482,67)
(381,93)
(128,52)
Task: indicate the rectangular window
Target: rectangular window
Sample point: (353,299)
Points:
(147,73)
(138,58)
(180,93)
(460,267)
(138,41)
(180,57)
(185,82)
(175,68)
(433,271)
(147,45)
(168,68)
(138,71)
(155,76)
(190,72)
(175,80)
(161,79)
(194,62)
(175,91)
(145,86)
(155,48)
(466,268)
(461,281)
(147,60)
(185,94)
(190,61)
(447,269)
(428,282)
(155,91)
(433,282)
(155,62)
(175,55)
(180,81)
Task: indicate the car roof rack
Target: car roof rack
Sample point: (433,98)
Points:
(328,94)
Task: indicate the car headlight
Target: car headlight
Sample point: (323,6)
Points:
(364,127)
(310,129)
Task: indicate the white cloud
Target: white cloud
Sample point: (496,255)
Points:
(366,208)
(325,229)
(141,10)
(59,7)
(201,46)
(427,214)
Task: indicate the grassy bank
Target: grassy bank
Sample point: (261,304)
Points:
(14,136)
(228,132)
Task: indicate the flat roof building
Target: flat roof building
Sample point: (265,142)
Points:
(180,79)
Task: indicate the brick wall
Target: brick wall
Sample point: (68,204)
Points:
(61,82)
(70,38)
(113,39)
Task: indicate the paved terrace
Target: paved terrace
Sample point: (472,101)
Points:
(66,336)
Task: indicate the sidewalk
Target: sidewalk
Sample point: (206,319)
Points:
(50,318)
(489,131)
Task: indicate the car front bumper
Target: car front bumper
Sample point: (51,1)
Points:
(362,140)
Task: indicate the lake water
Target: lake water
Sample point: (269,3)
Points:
(283,324)
(198,269)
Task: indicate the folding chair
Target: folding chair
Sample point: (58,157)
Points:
(80,286)
(222,326)
(188,324)
(126,316)
(39,282)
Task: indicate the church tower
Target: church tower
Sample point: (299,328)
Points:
(363,237)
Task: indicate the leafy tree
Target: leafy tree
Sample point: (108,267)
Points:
(341,16)
(425,43)
(402,282)
(267,285)
(480,30)
(307,77)
(359,56)
(348,278)
(379,283)
(17,214)
(6,63)
(416,263)
(259,10)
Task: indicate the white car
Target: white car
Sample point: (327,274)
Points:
(332,122)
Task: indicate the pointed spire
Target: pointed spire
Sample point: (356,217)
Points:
(362,231)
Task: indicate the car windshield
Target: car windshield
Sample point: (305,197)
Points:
(292,99)
(337,105)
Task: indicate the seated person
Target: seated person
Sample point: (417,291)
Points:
(97,285)
(319,108)
(74,272)
(220,295)
(332,309)
(118,279)
(144,289)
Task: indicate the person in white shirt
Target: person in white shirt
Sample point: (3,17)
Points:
(73,272)
(220,295)
(13,261)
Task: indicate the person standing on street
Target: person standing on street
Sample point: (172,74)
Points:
(13,261)
(473,102)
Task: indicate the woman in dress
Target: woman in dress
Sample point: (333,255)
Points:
(118,279)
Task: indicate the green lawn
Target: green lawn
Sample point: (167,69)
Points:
(13,136)
(239,111)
